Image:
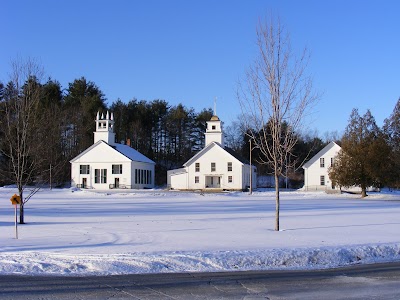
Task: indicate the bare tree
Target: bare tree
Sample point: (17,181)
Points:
(275,97)
(234,136)
(20,100)
(332,136)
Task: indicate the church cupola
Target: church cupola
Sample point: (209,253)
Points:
(105,128)
(214,129)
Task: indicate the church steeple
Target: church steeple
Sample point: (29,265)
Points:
(214,131)
(105,128)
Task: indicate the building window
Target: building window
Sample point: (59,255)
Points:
(100,176)
(143,176)
(322,162)
(84,169)
(117,169)
(97,176)
(213,127)
(230,179)
(229,167)
(197,167)
(103,175)
(322,180)
(213,167)
(332,161)
(196,179)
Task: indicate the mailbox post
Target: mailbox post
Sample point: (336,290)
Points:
(16,200)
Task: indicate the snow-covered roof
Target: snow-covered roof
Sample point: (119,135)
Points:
(132,154)
(176,171)
(229,151)
(125,150)
(320,154)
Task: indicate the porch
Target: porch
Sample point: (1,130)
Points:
(213,181)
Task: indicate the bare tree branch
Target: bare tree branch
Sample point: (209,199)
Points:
(275,97)
(18,125)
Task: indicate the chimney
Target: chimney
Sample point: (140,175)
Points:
(128,142)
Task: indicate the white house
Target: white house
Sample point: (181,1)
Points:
(316,175)
(107,165)
(213,167)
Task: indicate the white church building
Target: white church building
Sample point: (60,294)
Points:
(215,167)
(108,165)
(316,175)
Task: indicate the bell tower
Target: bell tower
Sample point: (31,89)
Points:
(214,129)
(105,128)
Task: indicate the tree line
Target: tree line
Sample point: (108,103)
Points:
(43,126)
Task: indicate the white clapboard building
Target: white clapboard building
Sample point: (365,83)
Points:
(316,175)
(215,167)
(107,165)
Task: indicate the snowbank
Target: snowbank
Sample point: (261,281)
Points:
(35,263)
(74,232)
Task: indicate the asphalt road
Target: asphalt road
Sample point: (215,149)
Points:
(381,281)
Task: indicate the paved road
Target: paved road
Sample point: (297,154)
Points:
(359,282)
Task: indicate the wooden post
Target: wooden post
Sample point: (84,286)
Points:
(251,173)
(16,222)
(16,200)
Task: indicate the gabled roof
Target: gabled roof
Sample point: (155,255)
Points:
(132,154)
(86,151)
(125,150)
(320,154)
(229,151)
(237,156)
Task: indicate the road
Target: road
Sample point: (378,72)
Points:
(380,281)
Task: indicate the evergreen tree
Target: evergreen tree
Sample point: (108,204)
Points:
(82,102)
(158,112)
(363,158)
(54,165)
(200,126)
(121,117)
(392,132)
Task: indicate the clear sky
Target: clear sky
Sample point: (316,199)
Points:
(191,51)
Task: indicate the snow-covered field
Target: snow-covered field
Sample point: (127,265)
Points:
(80,232)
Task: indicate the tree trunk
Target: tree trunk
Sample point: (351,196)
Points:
(21,206)
(21,213)
(277,203)
(363,191)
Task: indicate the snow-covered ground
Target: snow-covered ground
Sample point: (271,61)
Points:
(80,232)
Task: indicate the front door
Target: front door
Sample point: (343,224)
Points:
(116,183)
(84,183)
(213,181)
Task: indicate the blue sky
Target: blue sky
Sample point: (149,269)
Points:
(195,50)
